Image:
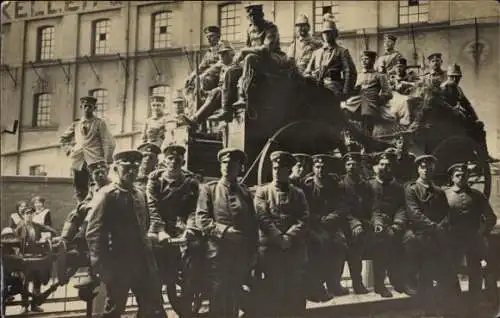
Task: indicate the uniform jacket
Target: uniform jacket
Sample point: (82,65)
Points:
(117,232)
(267,37)
(154,130)
(170,202)
(334,68)
(434,79)
(402,83)
(453,95)
(388,203)
(281,210)
(388,59)
(301,50)
(97,145)
(214,75)
(357,197)
(374,93)
(426,205)
(222,205)
(470,210)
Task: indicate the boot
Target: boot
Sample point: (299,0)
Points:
(222,115)
(334,286)
(379,277)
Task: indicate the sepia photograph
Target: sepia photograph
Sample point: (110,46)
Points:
(256,159)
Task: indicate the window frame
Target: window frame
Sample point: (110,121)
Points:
(168,34)
(38,170)
(35,123)
(101,107)
(107,47)
(236,36)
(335,12)
(421,4)
(40,43)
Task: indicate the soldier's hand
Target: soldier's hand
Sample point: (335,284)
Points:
(378,228)
(233,234)
(357,231)
(162,236)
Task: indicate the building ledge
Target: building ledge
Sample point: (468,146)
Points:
(39,129)
(34,179)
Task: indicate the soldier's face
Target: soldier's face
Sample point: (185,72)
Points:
(351,167)
(213,38)
(454,78)
(426,170)
(298,169)
(281,173)
(230,169)
(367,62)
(400,143)
(389,44)
(400,68)
(384,168)
(173,162)
(329,36)
(148,163)
(127,173)
(459,179)
(255,16)
(157,108)
(227,57)
(302,29)
(100,176)
(319,170)
(435,63)
(88,108)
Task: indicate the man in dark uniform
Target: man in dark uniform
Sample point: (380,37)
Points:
(120,252)
(302,47)
(261,54)
(283,214)
(401,80)
(403,169)
(301,169)
(425,242)
(172,195)
(436,76)
(225,213)
(356,192)
(149,162)
(327,243)
(386,63)
(332,66)
(471,218)
(388,215)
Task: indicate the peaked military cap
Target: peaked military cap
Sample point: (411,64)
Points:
(227,154)
(88,99)
(179,97)
(324,159)
(433,55)
(302,158)
(461,166)
(212,29)
(174,150)
(283,157)
(425,158)
(352,156)
(390,37)
(149,147)
(128,157)
(157,98)
(401,61)
(329,23)
(249,7)
(389,154)
(302,19)
(370,54)
(225,46)
(454,69)
(98,165)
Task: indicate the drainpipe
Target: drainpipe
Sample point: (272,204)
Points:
(134,75)
(21,101)
(75,84)
(127,53)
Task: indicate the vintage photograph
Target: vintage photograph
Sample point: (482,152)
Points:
(258,159)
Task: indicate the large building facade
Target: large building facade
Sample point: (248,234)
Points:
(54,52)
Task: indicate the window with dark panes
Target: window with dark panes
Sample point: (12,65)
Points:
(102,101)
(42,109)
(46,43)
(162,30)
(102,29)
(320,9)
(229,21)
(413,11)
(37,170)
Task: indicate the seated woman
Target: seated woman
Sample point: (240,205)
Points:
(17,217)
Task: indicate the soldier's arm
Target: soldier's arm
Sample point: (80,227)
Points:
(489,219)
(156,223)
(108,142)
(204,214)
(290,52)
(339,208)
(385,90)
(67,139)
(311,66)
(298,229)
(377,214)
(97,234)
(266,223)
(415,213)
(271,40)
(401,216)
(144,135)
(350,73)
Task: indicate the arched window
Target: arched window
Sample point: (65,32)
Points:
(101,95)
(100,37)
(229,21)
(162,30)
(42,109)
(46,43)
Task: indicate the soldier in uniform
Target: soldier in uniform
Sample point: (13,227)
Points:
(401,80)
(87,140)
(214,98)
(283,214)
(120,252)
(436,76)
(388,213)
(403,169)
(302,47)
(261,54)
(332,66)
(327,246)
(356,192)
(373,94)
(225,213)
(301,169)
(386,63)
(154,129)
(471,219)
(172,195)
(149,162)
(425,240)
(211,57)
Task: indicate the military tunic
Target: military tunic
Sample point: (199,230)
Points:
(455,97)
(154,130)
(302,49)
(387,61)
(221,206)
(434,79)
(282,209)
(403,84)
